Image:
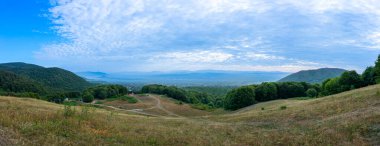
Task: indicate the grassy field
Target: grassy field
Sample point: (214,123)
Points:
(350,118)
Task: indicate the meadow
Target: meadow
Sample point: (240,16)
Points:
(349,118)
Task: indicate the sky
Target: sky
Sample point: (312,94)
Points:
(172,35)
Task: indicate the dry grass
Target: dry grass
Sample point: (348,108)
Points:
(144,103)
(167,107)
(181,109)
(351,118)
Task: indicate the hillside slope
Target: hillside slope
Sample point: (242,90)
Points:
(349,118)
(55,79)
(10,82)
(313,76)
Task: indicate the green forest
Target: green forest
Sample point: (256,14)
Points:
(55,85)
(236,98)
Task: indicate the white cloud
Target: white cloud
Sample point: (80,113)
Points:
(232,33)
(336,6)
(373,40)
(171,66)
(261,56)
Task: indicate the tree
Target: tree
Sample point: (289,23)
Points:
(87,97)
(312,92)
(266,92)
(331,86)
(350,80)
(290,89)
(377,70)
(100,93)
(239,98)
(368,76)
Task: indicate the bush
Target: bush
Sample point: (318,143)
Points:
(68,111)
(283,107)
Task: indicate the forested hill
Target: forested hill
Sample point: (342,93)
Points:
(53,79)
(313,76)
(10,82)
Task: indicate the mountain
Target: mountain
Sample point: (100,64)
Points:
(93,76)
(53,79)
(187,78)
(10,82)
(313,76)
(349,118)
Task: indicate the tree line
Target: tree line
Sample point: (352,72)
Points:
(12,84)
(349,80)
(187,96)
(249,95)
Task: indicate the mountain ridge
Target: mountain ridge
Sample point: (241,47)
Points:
(313,76)
(52,78)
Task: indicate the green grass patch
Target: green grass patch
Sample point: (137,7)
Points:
(202,107)
(129,99)
(98,102)
(71,103)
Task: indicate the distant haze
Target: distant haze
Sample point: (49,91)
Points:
(187,78)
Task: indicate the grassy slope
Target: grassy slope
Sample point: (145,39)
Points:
(167,106)
(350,118)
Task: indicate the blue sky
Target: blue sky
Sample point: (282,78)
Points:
(156,35)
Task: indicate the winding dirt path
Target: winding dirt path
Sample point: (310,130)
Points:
(157,105)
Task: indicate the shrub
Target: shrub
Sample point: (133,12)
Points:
(283,107)
(68,111)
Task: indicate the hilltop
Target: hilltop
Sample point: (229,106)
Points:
(313,76)
(348,118)
(53,79)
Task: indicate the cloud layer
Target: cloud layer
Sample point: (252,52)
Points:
(156,35)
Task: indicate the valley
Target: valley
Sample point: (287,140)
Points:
(189,73)
(349,118)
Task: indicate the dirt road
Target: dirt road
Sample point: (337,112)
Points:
(157,106)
